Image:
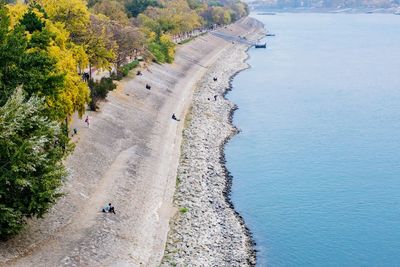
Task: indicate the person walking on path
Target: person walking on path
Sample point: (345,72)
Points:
(74,132)
(87,121)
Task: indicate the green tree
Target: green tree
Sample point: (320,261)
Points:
(31,154)
(136,7)
(74,14)
(113,10)
(31,22)
(26,62)
(128,40)
(98,42)
(195,4)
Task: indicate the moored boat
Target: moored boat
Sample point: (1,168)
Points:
(266,13)
(264,45)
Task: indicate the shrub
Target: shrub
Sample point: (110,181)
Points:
(128,67)
(124,70)
(99,91)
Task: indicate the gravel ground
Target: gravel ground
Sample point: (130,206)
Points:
(207,231)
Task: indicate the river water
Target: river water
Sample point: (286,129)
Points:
(317,165)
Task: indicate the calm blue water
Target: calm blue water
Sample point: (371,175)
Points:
(317,165)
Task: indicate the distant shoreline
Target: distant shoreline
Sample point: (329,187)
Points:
(271,11)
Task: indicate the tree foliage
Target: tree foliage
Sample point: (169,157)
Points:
(113,10)
(25,61)
(87,31)
(31,22)
(31,153)
(136,7)
(98,43)
(47,64)
(128,40)
(170,18)
(74,15)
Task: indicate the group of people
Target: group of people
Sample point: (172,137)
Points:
(215,98)
(75,130)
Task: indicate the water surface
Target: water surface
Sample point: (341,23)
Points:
(317,165)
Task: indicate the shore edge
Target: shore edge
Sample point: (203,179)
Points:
(207,190)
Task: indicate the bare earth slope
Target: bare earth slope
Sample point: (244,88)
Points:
(128,156)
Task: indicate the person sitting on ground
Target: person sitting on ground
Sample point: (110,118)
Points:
(148,87)
(109,208)
(112,209)
(174,117)
(138,73)
(215,97)
(215,79)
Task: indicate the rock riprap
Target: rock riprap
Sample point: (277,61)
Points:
(206,230)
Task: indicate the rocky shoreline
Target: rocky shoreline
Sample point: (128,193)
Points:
(206,230)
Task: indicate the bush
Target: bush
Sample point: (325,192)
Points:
(128,67)
(99,91)
(124,70)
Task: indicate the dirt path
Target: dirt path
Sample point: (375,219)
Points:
(128,156)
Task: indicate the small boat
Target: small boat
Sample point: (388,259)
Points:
(266,13)
(270,34)
(264,45)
